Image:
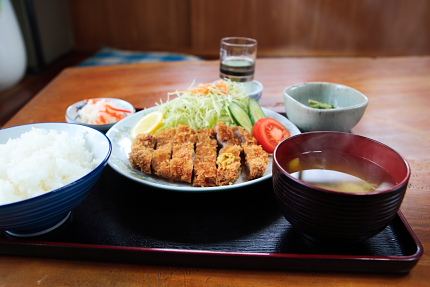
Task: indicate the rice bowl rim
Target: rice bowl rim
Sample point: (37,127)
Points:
(85,177)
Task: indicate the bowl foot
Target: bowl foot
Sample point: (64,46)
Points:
(18,234)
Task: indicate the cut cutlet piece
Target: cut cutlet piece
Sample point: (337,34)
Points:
(185,134)
(165,136)
(228,164)
(256,158)
(205,169)
(181,164)
(225,134)
(244,136)
(206,135)
(228,160)
(141,153)
(161,160)
(163,153)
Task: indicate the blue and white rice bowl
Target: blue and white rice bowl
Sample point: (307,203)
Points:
(43,213)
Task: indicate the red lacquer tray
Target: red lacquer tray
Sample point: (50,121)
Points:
(124,221)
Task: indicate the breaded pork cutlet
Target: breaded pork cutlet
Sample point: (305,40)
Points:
(228,160)
(141,153)
(183,154)
(181,163)
(163,153)
(256,158)
(205,169)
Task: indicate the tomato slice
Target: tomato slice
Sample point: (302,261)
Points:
(269,133)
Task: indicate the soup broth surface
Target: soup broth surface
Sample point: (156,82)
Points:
(340,172)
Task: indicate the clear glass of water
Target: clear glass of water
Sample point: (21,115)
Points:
(237,58)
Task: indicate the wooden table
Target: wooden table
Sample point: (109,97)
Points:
(397,115)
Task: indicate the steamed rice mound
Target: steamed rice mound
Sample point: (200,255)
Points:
(40,161)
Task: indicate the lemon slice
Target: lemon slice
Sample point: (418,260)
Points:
(148,124)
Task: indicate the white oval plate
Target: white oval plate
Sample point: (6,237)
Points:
(121,140)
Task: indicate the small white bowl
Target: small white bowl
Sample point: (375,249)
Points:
(72,115)
(349,103)
(254,88)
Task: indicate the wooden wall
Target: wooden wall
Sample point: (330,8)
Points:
(282,27)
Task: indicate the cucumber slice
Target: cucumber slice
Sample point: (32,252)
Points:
(240,116)
(255,111)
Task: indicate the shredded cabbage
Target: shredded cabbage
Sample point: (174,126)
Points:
(203,106)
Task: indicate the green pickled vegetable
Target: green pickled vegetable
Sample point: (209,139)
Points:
(320,105)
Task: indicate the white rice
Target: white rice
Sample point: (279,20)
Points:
(40,161)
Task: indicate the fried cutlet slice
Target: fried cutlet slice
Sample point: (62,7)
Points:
(161,160)
(206,135)
(165,136)
(185,134)
(163,153)
(228,160)
(225,134)
(256,158)
(244,136)
(228,164)
(205,169)
(181,164)
(141,153)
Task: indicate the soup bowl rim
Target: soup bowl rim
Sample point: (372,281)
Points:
(393,188)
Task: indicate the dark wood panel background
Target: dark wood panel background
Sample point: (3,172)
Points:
(282,27)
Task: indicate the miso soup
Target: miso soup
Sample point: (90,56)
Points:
(340,172)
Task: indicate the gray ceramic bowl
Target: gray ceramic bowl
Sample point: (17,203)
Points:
(349,103)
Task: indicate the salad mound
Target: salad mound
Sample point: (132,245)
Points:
(203,106)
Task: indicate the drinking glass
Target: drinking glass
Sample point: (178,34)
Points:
(237,58)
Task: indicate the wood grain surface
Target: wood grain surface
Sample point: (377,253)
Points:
(397,115)
(282,27)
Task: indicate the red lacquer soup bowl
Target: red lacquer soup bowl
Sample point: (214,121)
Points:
(338,186)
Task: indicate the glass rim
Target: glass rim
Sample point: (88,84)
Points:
(248,42)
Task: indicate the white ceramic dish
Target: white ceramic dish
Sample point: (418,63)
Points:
(121,140)
(255,89)
(72,115)
(350,106)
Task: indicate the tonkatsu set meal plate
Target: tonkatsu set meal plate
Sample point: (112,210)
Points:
(120,136)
